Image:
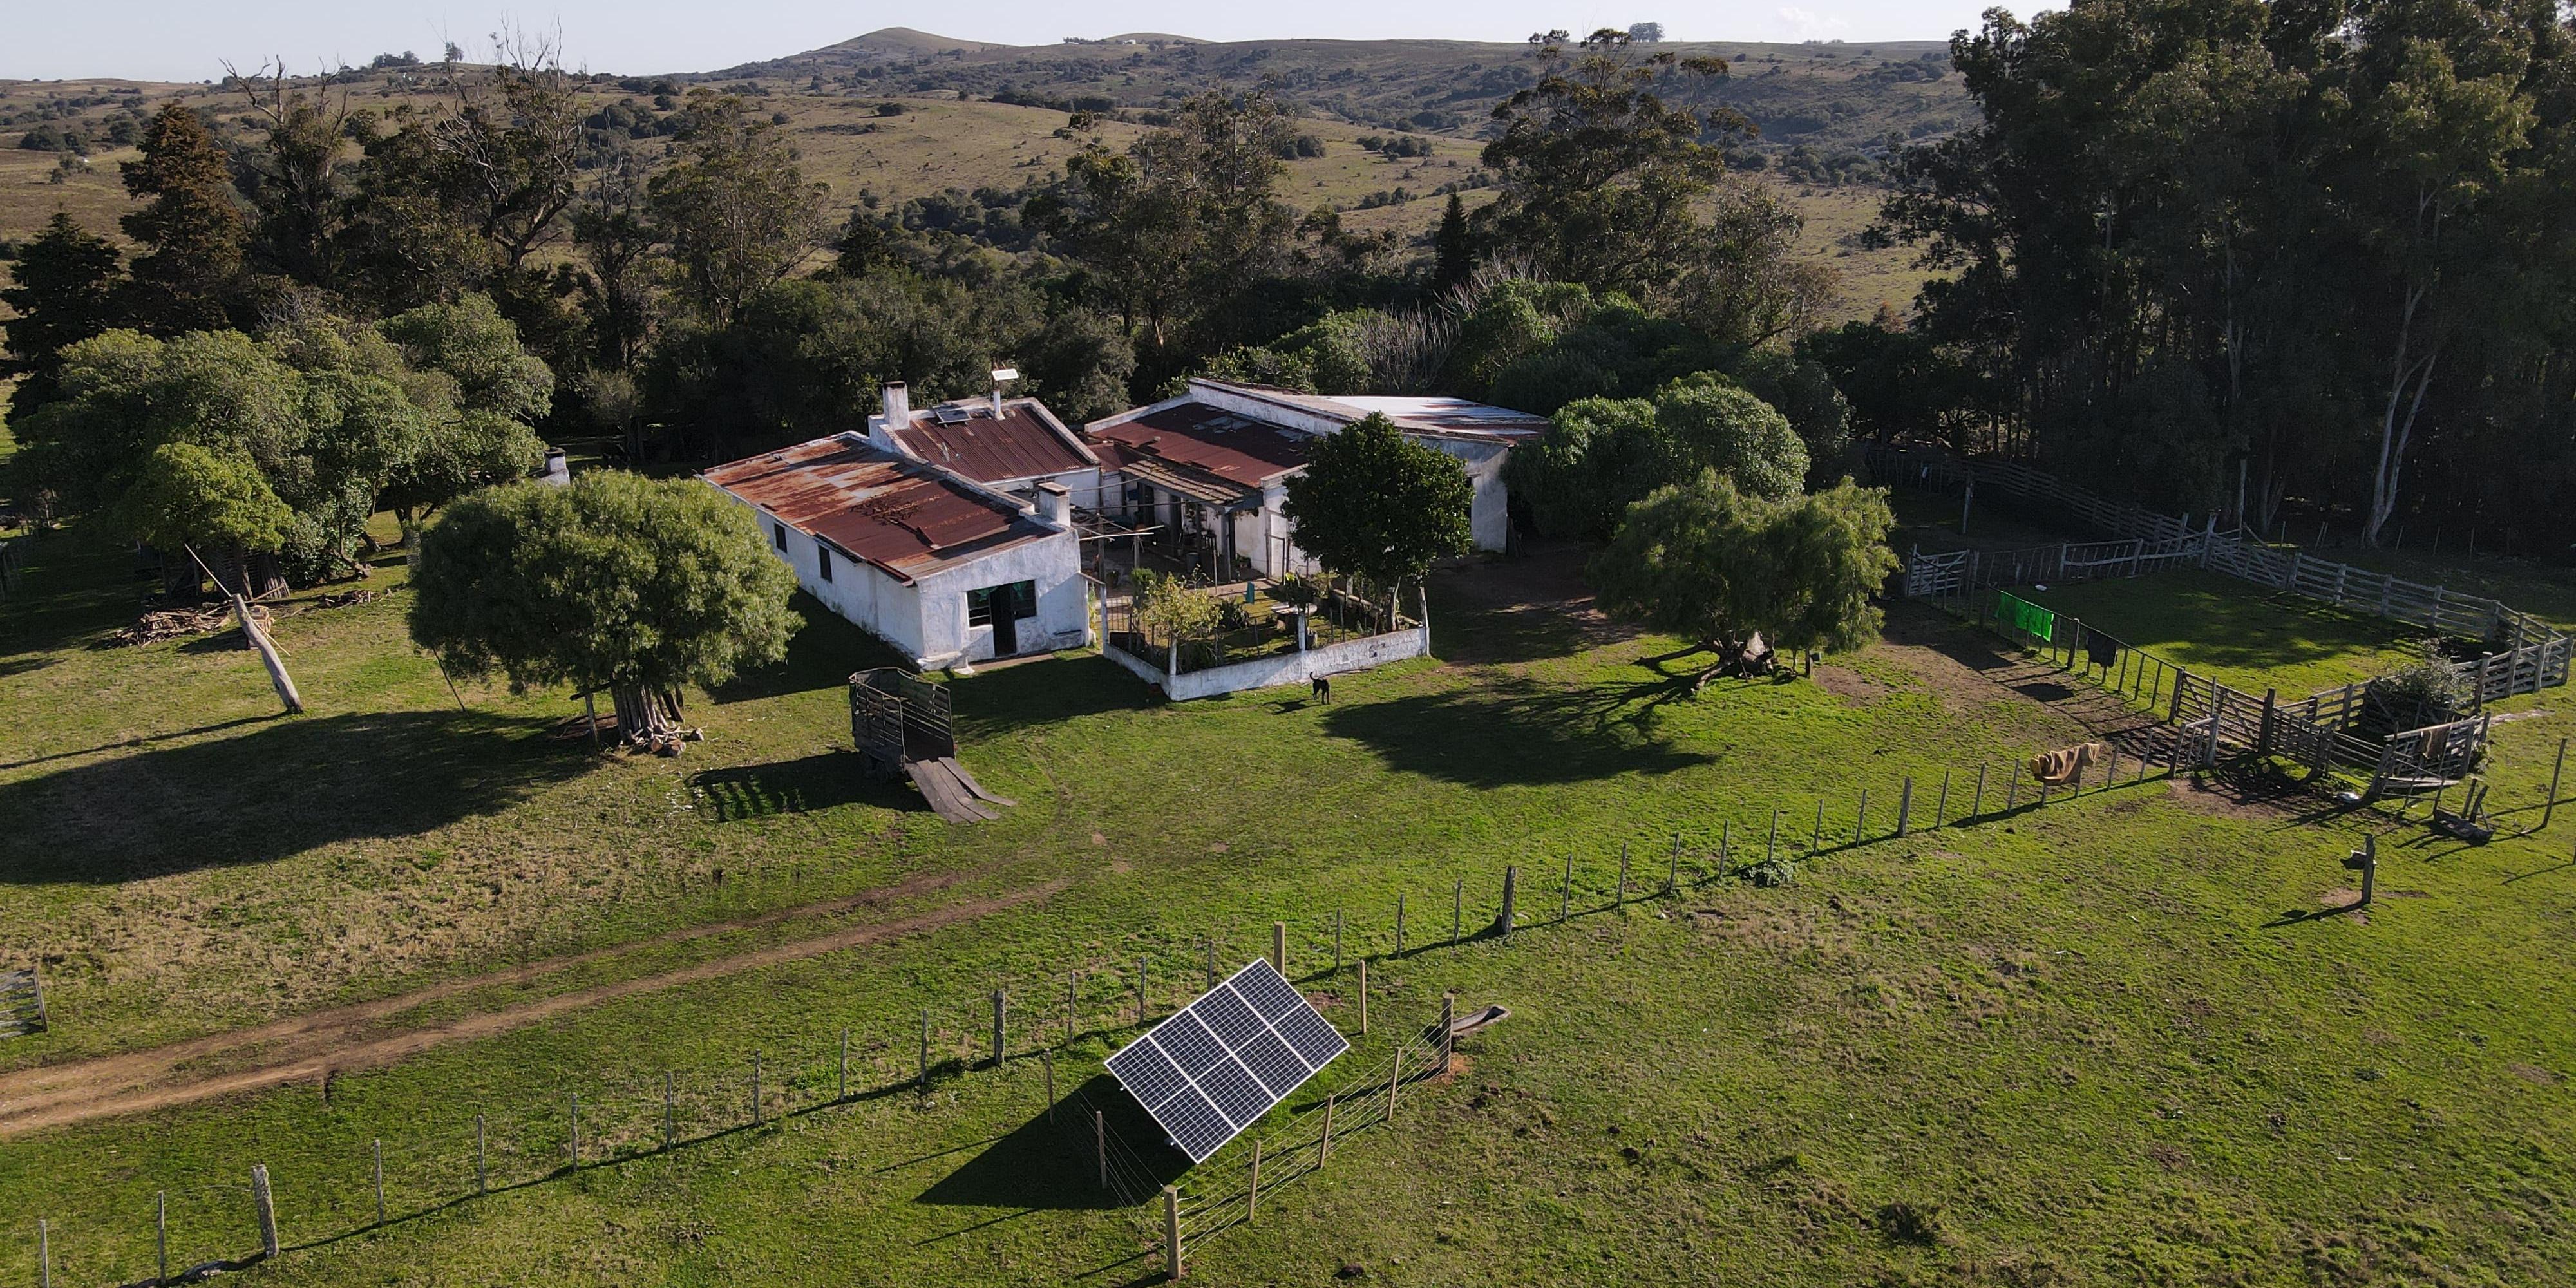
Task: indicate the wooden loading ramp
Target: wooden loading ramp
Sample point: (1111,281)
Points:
(952,792)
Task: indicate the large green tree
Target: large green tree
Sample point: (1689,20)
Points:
(63,291)
(1602,455)
(1712,564)
(190,225)
(1373,502)
(734,205)
(618,583)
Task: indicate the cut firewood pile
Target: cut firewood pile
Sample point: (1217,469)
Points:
(181,623)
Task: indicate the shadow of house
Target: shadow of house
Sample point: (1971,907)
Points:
(1519,732)
(1002,702)
(283,789)
(1053,1164)
(823,654)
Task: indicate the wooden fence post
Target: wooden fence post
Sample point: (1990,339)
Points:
(1978,805)
(2271,710)
(755,1094)
(1457,912)
(379,1174)
(1046,1061)
(1394,1080)
(1621,899)
(1252,1191)
(1448,1029)
(1399,924)
(1100,1143)
(841,1090)
(2182,680)
(1324,1151)
(1941,807)
(264,1206)
(1816,836)
(44,1253)
(2551,805)
(482,1179)
(1511,884)
(1172,1231)
(1072,986)
(1140,990)
(999,1048)
(1211,963)
(1725,844)
(923,1082)
(1279,946)
(1337,941)
(1860,819)
(1905,805)
(1673,874)
(161,1236)
(1771,848)
(1565,909)
(1364,997)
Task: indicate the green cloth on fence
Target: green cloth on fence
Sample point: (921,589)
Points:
(2029,618)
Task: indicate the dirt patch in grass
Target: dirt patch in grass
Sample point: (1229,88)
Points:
(1532,606)
(2230,799)
(328,1043)
(1851,686)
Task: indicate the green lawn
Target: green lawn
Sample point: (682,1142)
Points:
(2236,632)
(2103,1041)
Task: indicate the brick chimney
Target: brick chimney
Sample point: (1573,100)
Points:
(1055,504)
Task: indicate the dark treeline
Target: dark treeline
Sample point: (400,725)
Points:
(2320,247)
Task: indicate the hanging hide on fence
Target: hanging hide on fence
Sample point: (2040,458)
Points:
(2067,764)
(1756,657)
(2102,650)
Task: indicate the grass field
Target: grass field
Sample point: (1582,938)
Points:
(2105,1041)
(2218,626)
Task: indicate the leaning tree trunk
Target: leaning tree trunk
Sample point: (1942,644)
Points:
(268,656)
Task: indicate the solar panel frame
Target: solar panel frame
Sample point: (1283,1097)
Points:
(1210,1070)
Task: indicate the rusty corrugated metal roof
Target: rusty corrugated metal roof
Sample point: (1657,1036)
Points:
(901,515)
(1026,441)
(1233,447)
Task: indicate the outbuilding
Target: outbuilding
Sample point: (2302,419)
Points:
(946,569)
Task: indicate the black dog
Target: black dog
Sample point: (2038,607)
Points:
(1323,689)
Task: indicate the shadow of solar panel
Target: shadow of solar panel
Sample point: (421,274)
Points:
(1274,1064)
(1227,1016)
(1270,994)
(1314,1039)
(1147,1073)
(1189,1044)
(1196,1127)
(1236,1094)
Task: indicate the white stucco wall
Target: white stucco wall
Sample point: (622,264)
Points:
(1283,668)
(1064,605)
(861,593)
(1489,518)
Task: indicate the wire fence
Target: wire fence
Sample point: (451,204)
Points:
(417,1168)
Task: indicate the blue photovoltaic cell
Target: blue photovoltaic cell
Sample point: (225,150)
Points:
(1274,1064)
(1148,1074)
(1270,995)
(1195,1125)
(1211,1070)
(1236,1095)
(1187,1041)
(1314,1039)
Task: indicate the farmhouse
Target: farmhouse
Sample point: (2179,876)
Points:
(1212,464)
(1011,444)
(940,565)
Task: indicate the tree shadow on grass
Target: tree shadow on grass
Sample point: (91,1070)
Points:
(280,790)
(1053,1164)
(1518,731)
(823,654)
(999,703)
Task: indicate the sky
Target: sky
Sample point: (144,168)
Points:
(192,39)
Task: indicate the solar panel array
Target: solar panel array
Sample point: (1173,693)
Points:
(1221,1062)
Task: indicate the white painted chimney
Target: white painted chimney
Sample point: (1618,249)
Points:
(558,471)
(897,415)
(1055,504)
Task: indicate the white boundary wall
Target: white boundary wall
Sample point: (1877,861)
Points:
(1281,668)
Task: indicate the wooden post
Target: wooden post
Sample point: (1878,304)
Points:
(1211,964)
(1816,836)
(2111,772)
(1394,1080)
(1172,1231)
(1279,946)
(264,1206)
(1399,925)
(1072,982)
(1140,990)
(1337,941)
(1252,1192)
(1565,909)
(1860,819)
(1046,1061)
(842,1088)
(999,1007)
(1905,805)
(1771,847)
(670,1116)
(1324,1151)
(2012,792)
(1511,884)
(44,1254)
(1100,1143)
(2182,680)
(924,1081)
(1621,899)
(1448,1030)
(1457,912)
(161,1235)
(380,1181)
(1941,807)
(1978,805)
(1725,846)
(1364,997)
(482,1178)
(2271,711)
(2551,805)
(755,1088)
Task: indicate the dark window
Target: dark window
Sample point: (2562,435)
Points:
(823,560)
(1019,599)
(778,535)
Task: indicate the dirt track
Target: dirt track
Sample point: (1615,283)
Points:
(305,1047)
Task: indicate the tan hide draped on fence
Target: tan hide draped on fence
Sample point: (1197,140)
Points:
(2065,765)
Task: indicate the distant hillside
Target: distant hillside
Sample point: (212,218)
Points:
(1832,97)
